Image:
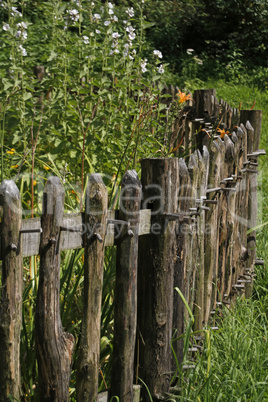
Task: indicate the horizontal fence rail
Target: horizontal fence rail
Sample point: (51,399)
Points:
(184,224)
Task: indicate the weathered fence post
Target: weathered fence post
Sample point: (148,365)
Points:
(252,120)
(125,316)
(53,345)
(160,182)
(95,222)
(11,292)
(182,261)
(212,227)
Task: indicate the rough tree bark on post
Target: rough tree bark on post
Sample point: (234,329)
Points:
(89,352)
(11,300)
(125,319)
(160,182)
(53,346)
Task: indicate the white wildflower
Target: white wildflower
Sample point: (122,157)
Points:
(111,53)
(111,11)
(143,66)
(110,5)
(107,23)
(96,17)
(126,50)
(117,51)
(74,14)
(98,31)
(158,54)
(131,32)
(23,51)
(160,69)
(130,12)
(86,40)
(15,11)
(124,22)
(22,25)
(115,35)
(18,34)
(189,51)
(92,4)
(115,18)
(6,27)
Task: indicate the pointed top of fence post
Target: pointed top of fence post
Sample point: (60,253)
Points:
(9,188)
(131,177)
(96,195)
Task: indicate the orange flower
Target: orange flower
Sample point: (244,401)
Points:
(46,167)
(183,97)
(222,133)
(11,152)
(14,167)
(34,182)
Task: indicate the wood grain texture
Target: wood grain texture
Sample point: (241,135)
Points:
(95,221)
(125,315)
(53,345)
(11,292)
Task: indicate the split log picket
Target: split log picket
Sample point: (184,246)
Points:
(184,225)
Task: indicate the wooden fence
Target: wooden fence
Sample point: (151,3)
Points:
(184,224)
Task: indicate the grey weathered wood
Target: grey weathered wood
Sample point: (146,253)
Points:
(252,119)
(53,345)
(211,254)
(95,222)
(11,292)
(72,240)
(125,315)
(223,224)
(192,241)
(203,167)
(181,265)
(160,181)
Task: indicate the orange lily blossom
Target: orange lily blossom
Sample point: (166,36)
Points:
(183,97)
(222,133)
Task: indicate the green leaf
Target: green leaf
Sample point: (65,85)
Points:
(26,96)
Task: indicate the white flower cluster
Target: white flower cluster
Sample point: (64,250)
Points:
(23,51)
(14,12)
(130,12)
(96,17)
(74,14)
(143,65)
(115,37)
(131,32)
(21,32)
(86,40)
(158,54)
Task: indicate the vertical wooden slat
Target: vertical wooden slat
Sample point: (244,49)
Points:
(125,316)
(89,351)
(192,245)
(212,228)
(252,119)
(181,265)
(160,181)
(11,292)
(53,345)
